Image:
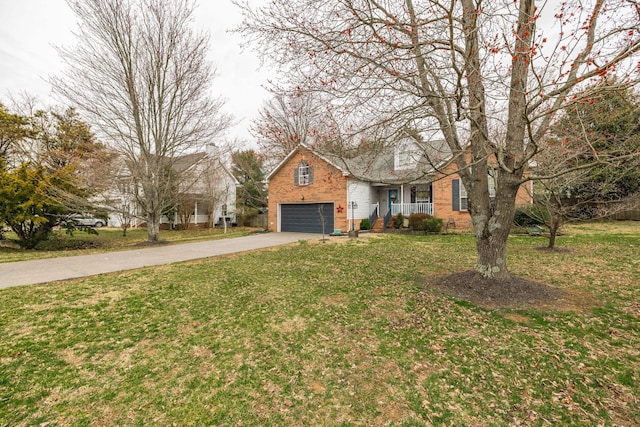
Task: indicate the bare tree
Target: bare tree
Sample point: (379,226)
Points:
(287,120)
(125,216)
(141,75)
(587,169)
(292,118)
(219,193)
(321,215)
(555,201)
(485,77)
(283,123)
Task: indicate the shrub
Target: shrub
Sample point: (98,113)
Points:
(28,205)
(416,221)
(246,215)
(398,220)
(365,224)
(433,225)
(527,216)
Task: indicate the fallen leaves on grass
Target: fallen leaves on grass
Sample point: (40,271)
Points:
(491,293)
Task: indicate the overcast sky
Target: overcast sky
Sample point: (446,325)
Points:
(30,28)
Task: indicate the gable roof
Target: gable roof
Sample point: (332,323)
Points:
(183,163)
(186,161)
(379,167)
(335,162)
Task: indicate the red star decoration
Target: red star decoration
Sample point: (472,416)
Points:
(339,208)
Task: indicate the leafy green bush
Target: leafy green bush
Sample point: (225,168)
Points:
(433,225)
(29,207)
(398,220)
(416,221)
(365,224)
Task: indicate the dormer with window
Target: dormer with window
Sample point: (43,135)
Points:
(406,155)
(303,174)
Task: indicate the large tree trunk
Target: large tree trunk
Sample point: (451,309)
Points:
(491,244)
(491,225)
(492,254)
(153,227)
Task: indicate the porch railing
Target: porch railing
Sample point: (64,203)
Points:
(199,219)
(409,208)
(387,218)
(374,214)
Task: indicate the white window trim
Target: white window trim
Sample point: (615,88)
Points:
(464,206)
(492,187)
(303,174)
(404,157)
(423,189)
(464,198)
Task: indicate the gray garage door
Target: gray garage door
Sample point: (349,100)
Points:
(305,217)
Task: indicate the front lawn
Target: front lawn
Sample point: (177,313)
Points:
(331,334)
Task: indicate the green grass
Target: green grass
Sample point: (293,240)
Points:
(110,239)
(329,334)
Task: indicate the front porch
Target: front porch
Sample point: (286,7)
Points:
(379,223)
(409,208)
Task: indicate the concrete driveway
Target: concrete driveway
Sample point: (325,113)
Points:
(50,270)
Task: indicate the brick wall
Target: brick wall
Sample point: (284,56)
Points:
(443,203)
(328,186)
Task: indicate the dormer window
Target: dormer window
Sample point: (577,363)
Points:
(405,155)
(303,174)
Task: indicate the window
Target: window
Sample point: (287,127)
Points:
(303,174)
(405,156)
(460,199)
(459,196)
(420,194)
(492,189)
(463,198)
(224,210)
(423,194)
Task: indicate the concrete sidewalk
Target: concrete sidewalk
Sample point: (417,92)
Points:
(50,270)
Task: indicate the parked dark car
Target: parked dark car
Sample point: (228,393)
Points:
(83,220)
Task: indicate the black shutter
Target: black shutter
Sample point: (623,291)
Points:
(455,194)
(296,179)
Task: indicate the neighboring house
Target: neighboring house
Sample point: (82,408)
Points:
(205,194)
(308,187)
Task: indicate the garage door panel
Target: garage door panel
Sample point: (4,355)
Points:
(306,218)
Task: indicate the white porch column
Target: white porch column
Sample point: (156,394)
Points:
(196,213)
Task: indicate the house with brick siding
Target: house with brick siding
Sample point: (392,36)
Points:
(317,192)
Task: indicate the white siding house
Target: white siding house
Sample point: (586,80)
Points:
(205,196)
